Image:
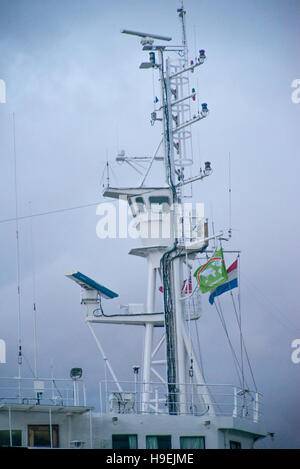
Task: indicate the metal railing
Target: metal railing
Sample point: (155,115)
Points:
(192,306)
(199,400)
(42,391)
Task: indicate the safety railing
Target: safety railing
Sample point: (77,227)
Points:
(191,302)
(42,391)
(181,399)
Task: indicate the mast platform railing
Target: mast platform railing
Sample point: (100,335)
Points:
(226,400)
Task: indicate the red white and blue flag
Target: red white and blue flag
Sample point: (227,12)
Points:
(231,282)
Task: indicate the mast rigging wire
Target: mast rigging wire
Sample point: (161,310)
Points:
(49,212)
(244,345)
(235,359)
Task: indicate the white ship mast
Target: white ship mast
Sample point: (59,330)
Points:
(173,234)
(160,210)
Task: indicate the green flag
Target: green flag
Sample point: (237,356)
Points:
(213,273)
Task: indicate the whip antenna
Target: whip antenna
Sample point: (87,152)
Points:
(20,358)
(229,195)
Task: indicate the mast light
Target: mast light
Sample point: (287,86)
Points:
(202,56)
(204,109)
(207,168)
(152,58)
(120,157)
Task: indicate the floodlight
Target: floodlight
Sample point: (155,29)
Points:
(76,373)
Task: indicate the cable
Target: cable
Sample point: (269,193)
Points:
(116,315)
(229,195)
(243,342)
(114,175)
(220,314)
(50,212)
(102,177)
(166,111)
(170,329)
(199,351)
(60,210)
(33,298)
(28,364)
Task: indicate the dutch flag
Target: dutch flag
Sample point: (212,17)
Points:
(231,282)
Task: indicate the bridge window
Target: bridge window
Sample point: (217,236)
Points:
(39,436)
(5,438)
(124,441)
(159,204)
(235,444)
(192,442)
(140,204)
(158,442)
(137,205)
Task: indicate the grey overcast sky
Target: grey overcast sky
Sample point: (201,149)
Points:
(74,84)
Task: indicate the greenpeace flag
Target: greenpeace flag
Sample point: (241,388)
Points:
(231,282)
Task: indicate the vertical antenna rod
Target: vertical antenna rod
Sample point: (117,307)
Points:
(182,13)
(229,192)
(18,256)
(33,296)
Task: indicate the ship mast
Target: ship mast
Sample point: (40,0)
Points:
(161,210)
(175,97)
(171,239)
